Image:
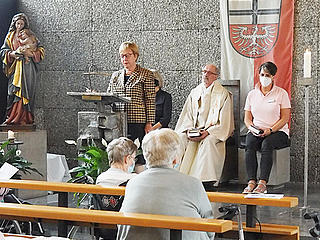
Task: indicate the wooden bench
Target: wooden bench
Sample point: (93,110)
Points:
(250,226)
(269,231)
(232,198)
(62,187)
(238,198)
(79,215)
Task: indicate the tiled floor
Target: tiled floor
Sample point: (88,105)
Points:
(264,214)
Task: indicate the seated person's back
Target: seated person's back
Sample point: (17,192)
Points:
(163,190)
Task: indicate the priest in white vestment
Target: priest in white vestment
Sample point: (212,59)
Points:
(209,108)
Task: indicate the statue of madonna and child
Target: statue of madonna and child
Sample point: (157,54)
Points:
(20,54)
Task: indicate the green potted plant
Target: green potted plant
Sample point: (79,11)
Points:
(13,157)
(93,161)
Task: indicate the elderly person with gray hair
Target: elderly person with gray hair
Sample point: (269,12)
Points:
(163,103)
(121,155)
(161,189)
(205,123)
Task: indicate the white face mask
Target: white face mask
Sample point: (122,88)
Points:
(265,81)
(176,166)
(131,168)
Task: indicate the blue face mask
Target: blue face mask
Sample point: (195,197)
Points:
(131,168)
(176,166)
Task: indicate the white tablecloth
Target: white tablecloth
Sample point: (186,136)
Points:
(57,168)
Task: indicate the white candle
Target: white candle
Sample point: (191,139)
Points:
(307,64)
(10,134)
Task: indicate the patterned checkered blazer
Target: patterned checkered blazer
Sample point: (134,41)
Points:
(140,88)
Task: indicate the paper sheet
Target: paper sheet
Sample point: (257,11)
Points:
(264,195)
(7,171)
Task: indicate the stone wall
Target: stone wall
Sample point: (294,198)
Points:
(175,37)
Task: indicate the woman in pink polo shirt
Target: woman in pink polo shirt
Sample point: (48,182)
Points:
(267,109)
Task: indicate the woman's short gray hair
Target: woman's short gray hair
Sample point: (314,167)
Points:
(161,147)
(119,148)
(157,77)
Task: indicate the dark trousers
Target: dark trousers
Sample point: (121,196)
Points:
(265,145)
(136,130)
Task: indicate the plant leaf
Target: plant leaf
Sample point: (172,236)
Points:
(94,153)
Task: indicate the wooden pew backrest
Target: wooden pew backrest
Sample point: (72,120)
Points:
(234,198)
(108,217)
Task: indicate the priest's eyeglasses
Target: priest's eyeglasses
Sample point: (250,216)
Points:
(209,72)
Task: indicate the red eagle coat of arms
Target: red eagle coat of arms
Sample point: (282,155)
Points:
(253,26)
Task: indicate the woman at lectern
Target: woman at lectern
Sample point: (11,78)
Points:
(137,83)
(22,74)
(267,112)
